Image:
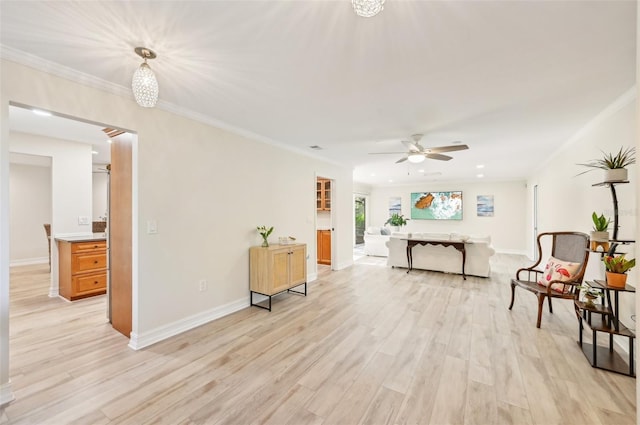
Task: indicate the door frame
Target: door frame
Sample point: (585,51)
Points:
(6,394)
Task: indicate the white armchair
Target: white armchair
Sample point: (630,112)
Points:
(375,241)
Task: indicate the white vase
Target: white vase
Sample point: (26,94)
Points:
(615,175)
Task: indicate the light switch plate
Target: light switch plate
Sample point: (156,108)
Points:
(152,227)
(83,219)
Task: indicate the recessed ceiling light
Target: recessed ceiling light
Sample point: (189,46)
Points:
(109,141)
(421,171)
(41,113)
(373,174)
(390,181)
(94,152)
(480,166)
(479,176)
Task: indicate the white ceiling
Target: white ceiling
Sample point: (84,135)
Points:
(24,120)
(512,79)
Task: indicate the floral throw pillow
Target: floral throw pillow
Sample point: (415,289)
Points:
(558,270)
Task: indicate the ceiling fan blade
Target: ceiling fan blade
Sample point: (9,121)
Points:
(450,148)
(402,160)
(438,156)
(413,147)
(386,153)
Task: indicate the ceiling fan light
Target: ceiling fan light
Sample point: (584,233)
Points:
(416,158)
(367,8)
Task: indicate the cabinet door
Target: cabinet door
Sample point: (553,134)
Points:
(327,195)
(325,242)
(298,265)
(319,245)
(280,270)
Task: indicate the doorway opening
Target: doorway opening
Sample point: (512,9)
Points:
(360,206)
(78,209)
(324,224)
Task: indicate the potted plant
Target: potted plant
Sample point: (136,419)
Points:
(396,221)
(599,235)
(616,268)
(264,232)
(590,294)
(614,165)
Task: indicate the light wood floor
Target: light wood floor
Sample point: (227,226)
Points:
(368,345)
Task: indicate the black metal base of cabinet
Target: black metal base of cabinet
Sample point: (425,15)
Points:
(607,359)
(273,295)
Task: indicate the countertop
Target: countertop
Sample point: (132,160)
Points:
(83,238)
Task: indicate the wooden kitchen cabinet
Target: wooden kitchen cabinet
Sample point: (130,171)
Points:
(324,247)
(323,195)
(277,268)
(82,268)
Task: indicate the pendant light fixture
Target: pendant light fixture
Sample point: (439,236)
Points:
(144,83)
(367,8)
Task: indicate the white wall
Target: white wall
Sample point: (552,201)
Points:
(206,195)
(99,193)
(71,186)
(506,227)
(30,187)
(566,201)
(71,178)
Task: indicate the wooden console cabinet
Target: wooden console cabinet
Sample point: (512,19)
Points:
(82,268)
(277,268)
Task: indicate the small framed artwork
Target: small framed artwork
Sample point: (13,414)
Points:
(485,206)
(395,205)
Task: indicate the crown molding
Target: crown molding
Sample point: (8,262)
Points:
(76,76)
(62,71)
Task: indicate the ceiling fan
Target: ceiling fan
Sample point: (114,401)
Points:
(417,153)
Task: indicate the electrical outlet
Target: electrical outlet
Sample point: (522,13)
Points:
(202,285)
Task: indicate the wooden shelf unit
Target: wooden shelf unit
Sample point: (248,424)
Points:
(275,269)
(599,356)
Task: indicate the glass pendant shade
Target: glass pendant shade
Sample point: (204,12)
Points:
(367,8)
(416,158)
(145,86)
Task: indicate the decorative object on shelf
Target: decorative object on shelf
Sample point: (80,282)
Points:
(614,165)
(590,294)
(264,232)
(616,268)
(367,8)
(144,83)
(396,221)
(286,240)
(599,235)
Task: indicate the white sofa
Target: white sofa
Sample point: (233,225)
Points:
(478,252)
(375,241)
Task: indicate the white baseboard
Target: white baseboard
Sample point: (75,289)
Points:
(343,265)
(6,395)
(145,339)
(29,261)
